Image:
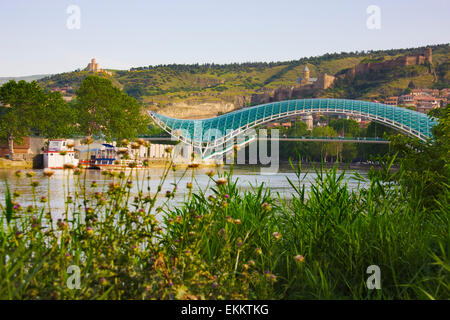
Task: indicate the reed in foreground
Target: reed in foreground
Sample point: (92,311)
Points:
(223,243)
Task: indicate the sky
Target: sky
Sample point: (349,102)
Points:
(120,34)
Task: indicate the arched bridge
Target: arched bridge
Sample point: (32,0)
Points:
(214,133)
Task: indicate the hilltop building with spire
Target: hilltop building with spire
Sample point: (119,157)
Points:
(94,67)
(323,82)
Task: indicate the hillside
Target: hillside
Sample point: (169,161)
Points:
(206,90)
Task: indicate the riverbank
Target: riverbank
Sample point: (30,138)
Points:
(159,164)
(24,164)
(339,165)
(15,164)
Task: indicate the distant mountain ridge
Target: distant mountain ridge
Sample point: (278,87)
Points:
(26,78)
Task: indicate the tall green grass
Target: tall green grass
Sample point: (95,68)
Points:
(224,243)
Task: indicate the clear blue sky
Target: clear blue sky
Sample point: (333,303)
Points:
(122,34)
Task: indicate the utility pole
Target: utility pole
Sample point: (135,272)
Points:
(11,146)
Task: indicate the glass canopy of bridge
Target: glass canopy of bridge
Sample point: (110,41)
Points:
(203,131)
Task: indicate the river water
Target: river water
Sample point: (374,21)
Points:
(247,177)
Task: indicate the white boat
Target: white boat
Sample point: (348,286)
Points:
(58,153)
(97,155)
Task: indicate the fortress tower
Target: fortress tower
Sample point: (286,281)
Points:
(429,55)
(93,66)
(305,79)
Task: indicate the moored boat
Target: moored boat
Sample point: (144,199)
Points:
(59,153)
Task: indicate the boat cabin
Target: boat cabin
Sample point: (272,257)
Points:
(97,155)
(58,153)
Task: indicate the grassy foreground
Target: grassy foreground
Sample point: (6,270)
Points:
(223,243)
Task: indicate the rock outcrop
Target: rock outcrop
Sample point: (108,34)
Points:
(202,110)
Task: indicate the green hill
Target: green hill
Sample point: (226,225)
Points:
(157,87)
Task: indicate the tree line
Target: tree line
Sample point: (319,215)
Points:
(333,151)
(99,109)
(246,66)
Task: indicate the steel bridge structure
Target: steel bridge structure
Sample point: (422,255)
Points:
(212,136)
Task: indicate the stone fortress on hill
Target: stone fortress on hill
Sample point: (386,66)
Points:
(403,61)
(307,83)
(94,67)
(307,86)
(67,91)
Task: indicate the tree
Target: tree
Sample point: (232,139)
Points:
(27,109)
(293,149)
(427,164)
(134,90)
(411,85)
(321,150)
(56,118)
(104,110)
(156,131)
(300,129)
(20,105)
(349,151)
(372,151)
(375,129)
(346,127)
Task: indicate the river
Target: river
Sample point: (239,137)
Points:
(247,177)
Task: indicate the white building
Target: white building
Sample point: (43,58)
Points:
(59,152)
(308,119)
